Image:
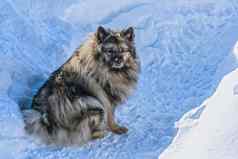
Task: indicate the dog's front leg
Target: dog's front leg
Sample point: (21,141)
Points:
(97,91)
(113,126)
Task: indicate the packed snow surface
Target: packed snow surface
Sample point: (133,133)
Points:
(185,47)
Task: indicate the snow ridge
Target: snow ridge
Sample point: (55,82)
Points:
(214,135)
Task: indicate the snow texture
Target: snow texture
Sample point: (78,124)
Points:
(185,47)
(214,133)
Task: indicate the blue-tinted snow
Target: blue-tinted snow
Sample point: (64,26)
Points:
(185,48)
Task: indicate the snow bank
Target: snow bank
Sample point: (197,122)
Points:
(215,133)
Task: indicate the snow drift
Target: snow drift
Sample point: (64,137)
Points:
(215,133)
(185,47)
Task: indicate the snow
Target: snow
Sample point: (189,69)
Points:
(214,134)
(185,46)
(235,50)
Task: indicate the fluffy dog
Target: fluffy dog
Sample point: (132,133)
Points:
(77,103)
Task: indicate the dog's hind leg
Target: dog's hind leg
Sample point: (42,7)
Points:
(94,111)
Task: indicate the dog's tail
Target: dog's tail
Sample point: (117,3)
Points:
(35,124)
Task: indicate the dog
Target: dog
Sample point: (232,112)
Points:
(77,103)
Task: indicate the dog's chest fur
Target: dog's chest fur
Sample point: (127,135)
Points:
(117,85)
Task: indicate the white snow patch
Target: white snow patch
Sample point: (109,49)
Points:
(235,50)
(215,134)
(235,90)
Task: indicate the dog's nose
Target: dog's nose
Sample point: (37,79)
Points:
(118,59)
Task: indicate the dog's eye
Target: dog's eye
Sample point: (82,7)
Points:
(109,51)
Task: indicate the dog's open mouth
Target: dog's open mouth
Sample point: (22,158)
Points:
(117,63)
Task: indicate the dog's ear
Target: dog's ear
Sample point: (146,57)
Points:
(129,34)
(102,33)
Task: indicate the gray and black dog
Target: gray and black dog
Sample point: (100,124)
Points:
(77,102)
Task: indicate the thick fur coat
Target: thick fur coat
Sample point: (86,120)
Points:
(77,103)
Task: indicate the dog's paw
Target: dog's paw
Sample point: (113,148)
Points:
(97,135)
(119,130)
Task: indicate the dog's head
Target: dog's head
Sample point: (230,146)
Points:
(116,48)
